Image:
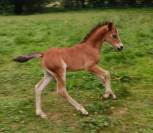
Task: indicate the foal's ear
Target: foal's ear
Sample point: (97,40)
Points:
(110,26)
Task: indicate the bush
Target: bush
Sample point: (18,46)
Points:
(5,6)
(107,3)
(22,6)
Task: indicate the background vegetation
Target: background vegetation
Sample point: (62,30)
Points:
(31,6)
(131,72)
(107,3)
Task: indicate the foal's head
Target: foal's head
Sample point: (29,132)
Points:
(112,37)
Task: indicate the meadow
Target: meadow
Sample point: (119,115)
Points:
(131,73)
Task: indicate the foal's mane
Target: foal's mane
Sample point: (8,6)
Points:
(94,29)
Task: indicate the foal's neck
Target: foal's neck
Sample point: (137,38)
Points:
(97,38)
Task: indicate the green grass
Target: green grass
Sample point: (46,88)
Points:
(131,72)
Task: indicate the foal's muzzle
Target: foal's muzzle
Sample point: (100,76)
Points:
(120,48)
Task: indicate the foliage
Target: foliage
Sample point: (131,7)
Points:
(107,3)
(5,6)
(34,5)
(20,6)
(30,6)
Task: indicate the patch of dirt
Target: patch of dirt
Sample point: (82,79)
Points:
(54,115)
(119,111)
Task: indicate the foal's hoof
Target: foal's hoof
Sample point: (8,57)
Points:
(114,97)
(42,115)
(105,96)
(83,111)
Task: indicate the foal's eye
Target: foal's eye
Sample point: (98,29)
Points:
(114,36)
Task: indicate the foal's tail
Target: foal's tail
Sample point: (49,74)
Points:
(25,58)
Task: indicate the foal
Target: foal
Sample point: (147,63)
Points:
(83,56)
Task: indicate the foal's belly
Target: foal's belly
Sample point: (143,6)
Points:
(76,64)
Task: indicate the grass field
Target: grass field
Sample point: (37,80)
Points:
(131,70)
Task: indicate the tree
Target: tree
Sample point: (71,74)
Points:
(147,2)
(112,3)
(28,6)
(82,3)
(18,6)
(34,5)
(132,2)
(97,3)
(5,5)
(68,3)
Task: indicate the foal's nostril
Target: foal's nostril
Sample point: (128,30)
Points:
(120,48)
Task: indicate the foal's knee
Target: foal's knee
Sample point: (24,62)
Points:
(62,92)
(106,76)
(36,86)
(38,89)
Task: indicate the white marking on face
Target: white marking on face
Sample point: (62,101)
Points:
(119,45)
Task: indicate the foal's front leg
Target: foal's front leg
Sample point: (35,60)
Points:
(105,78)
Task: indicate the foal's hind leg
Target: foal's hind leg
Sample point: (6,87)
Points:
(61,89)
(38,91)
(105,78)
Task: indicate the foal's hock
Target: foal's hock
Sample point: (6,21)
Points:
(83,56)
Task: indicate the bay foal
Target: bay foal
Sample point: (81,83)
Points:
(83,56)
